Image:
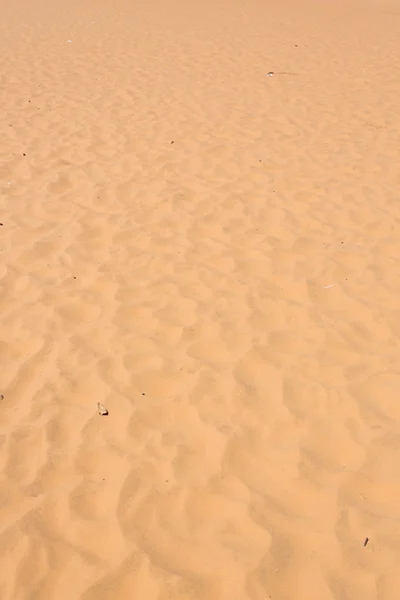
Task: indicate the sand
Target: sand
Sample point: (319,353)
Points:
(212,254)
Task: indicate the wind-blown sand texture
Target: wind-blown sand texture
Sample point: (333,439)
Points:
(212,255)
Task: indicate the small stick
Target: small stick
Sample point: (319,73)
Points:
(366,541)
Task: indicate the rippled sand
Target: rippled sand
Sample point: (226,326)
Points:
(213,255)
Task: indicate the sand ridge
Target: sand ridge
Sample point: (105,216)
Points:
(211,254)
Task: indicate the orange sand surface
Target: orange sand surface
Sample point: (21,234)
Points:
(212,254)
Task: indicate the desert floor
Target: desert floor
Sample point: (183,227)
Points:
(211,253)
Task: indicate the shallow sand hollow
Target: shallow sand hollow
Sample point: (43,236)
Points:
(212,254)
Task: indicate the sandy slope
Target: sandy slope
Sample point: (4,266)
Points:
(213,254)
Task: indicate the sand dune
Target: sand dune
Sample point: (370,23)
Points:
(213,255)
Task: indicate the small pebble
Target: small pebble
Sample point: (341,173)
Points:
(103,412)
